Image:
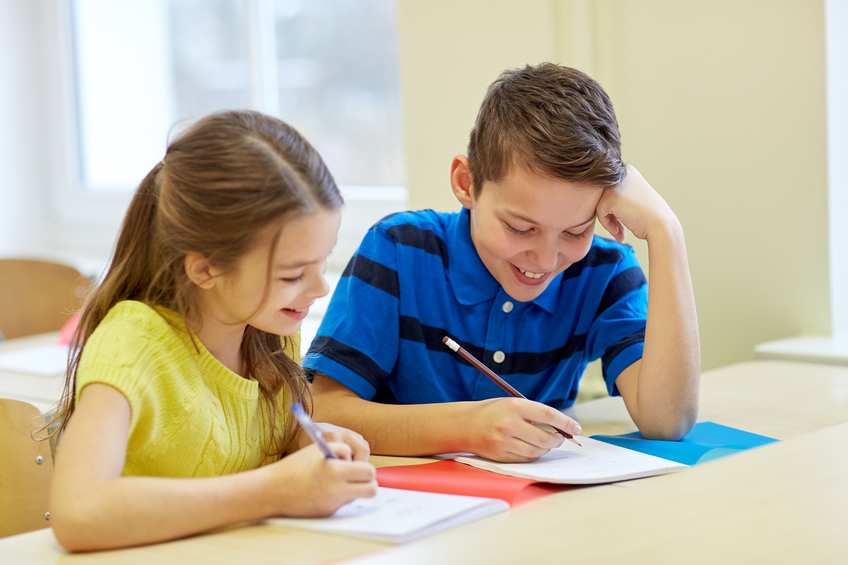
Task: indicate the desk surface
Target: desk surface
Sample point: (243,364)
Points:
(782,503)
(831,350)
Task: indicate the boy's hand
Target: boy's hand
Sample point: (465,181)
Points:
(359,448)
(635,206)
(661,390)
(502,429)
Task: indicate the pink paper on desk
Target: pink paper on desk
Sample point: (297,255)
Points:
(68,329)
(450,477)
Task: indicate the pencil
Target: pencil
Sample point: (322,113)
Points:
(496,378)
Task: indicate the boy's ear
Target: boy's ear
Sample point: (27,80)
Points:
(199,270)
(461,180)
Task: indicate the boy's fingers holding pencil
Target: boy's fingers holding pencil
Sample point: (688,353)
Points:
(504,429)
(523,452)
(539,413)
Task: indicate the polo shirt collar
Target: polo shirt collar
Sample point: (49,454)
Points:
(471,281)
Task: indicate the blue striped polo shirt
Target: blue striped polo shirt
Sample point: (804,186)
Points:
(417,278)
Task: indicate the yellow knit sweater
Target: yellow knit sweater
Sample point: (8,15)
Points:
(191,416)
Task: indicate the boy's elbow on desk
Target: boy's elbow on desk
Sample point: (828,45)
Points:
(671,426)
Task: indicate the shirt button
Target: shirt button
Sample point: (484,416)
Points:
(499,355)
(507,306)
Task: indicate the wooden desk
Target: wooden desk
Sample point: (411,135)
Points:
(779,399)
(831,350)
(782,503)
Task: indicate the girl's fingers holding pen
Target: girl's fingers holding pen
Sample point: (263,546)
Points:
(355,471)
(306,483)
(352,491)
(360,450)
(359,447)
(365,490)
(342,450)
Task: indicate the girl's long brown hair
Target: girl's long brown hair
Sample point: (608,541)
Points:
(221,182)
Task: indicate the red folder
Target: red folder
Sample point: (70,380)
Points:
(450,477)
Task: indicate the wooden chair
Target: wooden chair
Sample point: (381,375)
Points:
(37,296)
(25,471)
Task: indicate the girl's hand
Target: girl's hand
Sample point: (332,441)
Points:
(502,429)
(633,205)
(359,448)
(307,484)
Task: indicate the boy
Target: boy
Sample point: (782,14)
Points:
(518,279)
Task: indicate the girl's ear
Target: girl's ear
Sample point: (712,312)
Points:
(461,180)
(199,270)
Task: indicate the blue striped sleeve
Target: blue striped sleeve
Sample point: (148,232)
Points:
(617,334)
(350,347)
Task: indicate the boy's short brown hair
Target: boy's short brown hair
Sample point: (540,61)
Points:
(553,120)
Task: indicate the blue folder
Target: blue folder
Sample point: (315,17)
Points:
(705,442)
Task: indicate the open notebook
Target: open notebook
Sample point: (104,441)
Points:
(594,463)
(397,516)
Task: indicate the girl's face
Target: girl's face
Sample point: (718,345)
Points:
(296,277)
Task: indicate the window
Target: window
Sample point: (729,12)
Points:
(836,19)
(328,67)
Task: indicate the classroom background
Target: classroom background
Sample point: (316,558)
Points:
(732,109)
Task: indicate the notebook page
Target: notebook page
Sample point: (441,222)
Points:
(595,462)
(396,515)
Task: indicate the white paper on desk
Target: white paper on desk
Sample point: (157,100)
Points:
(46,359)
(594,463)
(397,516)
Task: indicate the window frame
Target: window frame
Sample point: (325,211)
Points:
(836,61)
(75,206)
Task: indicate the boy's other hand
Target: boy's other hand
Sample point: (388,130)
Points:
(502,429)
(634,205)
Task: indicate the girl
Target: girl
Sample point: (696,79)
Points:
(175,412)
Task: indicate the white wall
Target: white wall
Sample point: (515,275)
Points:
(721,106)
(450,52)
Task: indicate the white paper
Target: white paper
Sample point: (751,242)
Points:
(593,463)
(396,515)
(47,359)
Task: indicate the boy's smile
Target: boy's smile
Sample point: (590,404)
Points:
(528,228)
(530,278)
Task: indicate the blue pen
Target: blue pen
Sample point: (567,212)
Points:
(312,430)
